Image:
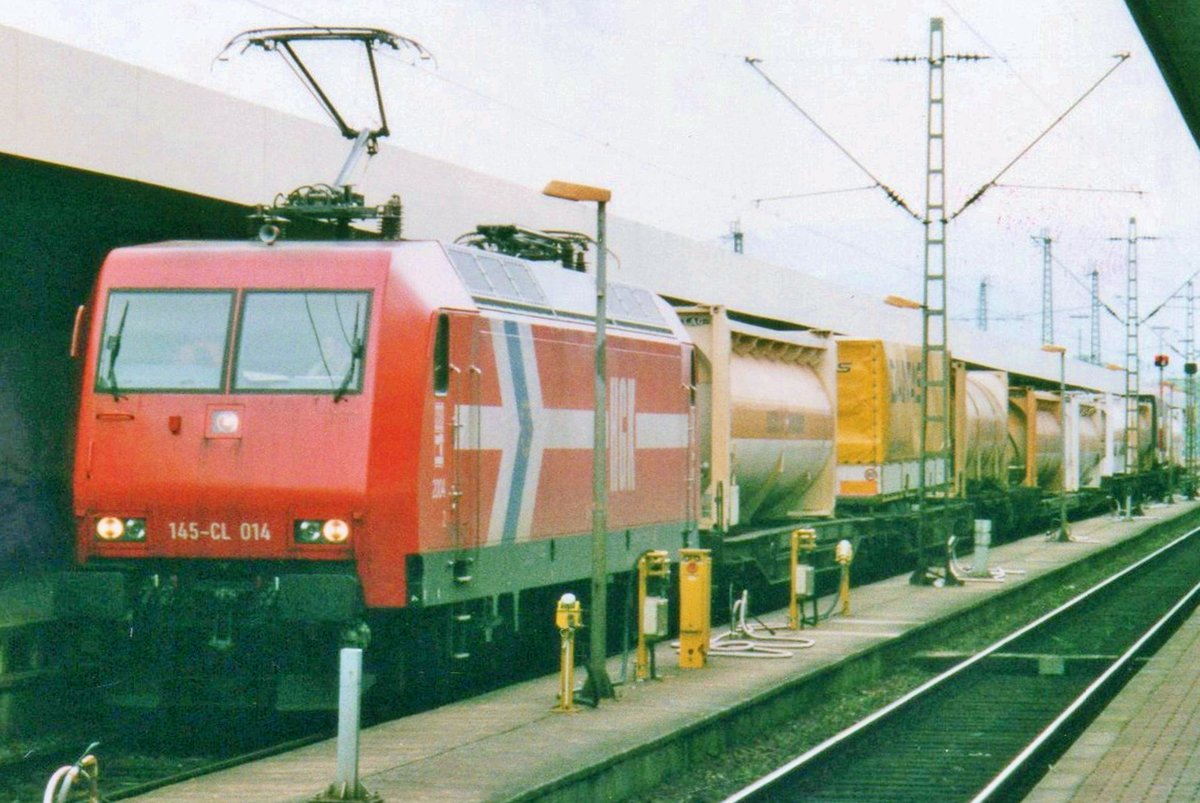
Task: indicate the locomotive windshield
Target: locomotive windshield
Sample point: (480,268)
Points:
(164,340)
(177,341)
(302,341)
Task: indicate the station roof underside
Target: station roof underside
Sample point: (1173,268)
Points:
(1171,29)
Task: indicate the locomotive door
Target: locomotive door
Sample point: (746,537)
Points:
(464,381)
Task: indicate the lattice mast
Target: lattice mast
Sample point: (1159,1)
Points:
(737,236)
(1189,361)
(981,313)
(1094,351)
(1132,356)
(935,356)
(1047,287)
(936,409)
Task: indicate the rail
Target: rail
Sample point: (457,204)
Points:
(972,733)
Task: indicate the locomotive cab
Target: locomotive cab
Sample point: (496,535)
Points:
(221,477)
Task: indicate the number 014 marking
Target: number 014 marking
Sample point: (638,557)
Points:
(218,531)
(255,531)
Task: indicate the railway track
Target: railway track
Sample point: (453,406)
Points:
(988,727)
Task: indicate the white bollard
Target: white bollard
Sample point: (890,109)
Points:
(349,692)
(983,540)
(345,786)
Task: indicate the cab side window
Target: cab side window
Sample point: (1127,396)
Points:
(441,356)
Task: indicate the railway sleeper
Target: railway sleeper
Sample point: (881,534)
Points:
(1019,663)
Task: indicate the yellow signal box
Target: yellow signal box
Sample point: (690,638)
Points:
(695,607)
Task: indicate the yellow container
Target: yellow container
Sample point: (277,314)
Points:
(879,420)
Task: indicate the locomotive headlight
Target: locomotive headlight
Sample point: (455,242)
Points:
(225,422)
(317,531)
(135,529)
(335,531)
(308,531)
(112,528)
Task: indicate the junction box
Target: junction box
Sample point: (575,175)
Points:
(695,607)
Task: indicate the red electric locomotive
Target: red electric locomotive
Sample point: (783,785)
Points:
(283,448)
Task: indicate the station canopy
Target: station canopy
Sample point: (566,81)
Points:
(1171,29)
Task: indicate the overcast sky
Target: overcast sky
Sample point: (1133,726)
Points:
(655,100)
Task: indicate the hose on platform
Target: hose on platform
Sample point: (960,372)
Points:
(996,575)
(744,640)
(58,789)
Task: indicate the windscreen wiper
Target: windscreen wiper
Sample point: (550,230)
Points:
(113,346)
(356,355)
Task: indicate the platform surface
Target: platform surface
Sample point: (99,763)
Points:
(508,743)
(1145,746)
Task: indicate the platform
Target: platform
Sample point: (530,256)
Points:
(1143,746)
(509,745)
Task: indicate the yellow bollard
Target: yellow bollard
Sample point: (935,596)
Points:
(568,617)
(695,601)
(844,555)
(803,540)
(652,609)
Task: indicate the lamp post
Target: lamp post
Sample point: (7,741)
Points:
(598,679)
(1189,426)
(1064,533)
(1163,433)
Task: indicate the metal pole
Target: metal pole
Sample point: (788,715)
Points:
(1132,356)
(1047,288)
(598,678)
(935,356)
(1189,421)
(1064,534)
(348,710)
(981,314)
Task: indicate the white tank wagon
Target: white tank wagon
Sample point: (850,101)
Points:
(765,414)
(1086,428)
(1147,425)
(981,457)
(1035,436)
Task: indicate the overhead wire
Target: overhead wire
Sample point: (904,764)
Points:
(1173,294)
(1086,286)
(814,194)
(892,195)
(553,124)
(281,12)
(686,178)
(1121,59)
(995,53)
(1007,62)
(1105,190)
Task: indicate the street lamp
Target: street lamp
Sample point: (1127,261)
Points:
(902,302)
(598,679)
(1064,533)
(1163,443)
